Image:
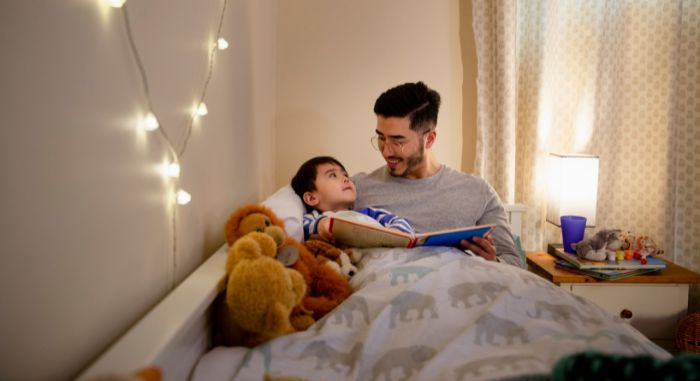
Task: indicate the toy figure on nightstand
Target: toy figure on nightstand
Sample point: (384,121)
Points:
(600,246)
(614,244)
(641,246)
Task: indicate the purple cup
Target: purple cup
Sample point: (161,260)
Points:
(572,229)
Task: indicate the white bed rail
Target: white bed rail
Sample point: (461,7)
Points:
(515,217)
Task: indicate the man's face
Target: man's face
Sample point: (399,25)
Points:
(402,148)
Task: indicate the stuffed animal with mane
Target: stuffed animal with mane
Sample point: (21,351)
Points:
(326,288)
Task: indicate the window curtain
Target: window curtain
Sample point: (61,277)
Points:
(618,79)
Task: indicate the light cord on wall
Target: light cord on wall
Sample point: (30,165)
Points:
(213,49)
(151,123)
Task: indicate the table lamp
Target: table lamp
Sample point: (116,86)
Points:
(573,188)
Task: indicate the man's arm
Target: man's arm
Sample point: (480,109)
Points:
(499,245)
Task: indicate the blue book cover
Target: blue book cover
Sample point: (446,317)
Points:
(452,237)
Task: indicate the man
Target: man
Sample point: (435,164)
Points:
(416,186)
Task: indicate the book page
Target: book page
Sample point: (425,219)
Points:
(357,234)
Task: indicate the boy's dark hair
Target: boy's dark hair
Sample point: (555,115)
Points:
(413,100)
(305,178)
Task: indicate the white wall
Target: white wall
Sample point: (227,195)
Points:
(87,242)
(336,57)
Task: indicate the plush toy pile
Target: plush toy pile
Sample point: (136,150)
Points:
(608,244)
(276,285)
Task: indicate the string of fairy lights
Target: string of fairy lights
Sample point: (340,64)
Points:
(151,123)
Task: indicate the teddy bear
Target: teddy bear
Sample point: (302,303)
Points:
(601,246)
(326,288)
(332,256)
(253,217)
(261,293)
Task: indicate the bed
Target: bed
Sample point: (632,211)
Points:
(422,313)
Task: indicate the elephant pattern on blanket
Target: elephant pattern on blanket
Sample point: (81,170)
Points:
(484,292)
(436,314)
(346,312)
(491,327)
(330,357)
(409,301)
(408,360)
(561,313)
(405,273)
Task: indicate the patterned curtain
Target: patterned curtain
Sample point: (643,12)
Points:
(619,79)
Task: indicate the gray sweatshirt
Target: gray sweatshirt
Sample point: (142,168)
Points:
(446,200)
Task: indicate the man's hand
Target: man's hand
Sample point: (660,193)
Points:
(482,247)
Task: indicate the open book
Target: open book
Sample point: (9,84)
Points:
(358,234)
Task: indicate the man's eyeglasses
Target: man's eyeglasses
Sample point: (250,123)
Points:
(379,142)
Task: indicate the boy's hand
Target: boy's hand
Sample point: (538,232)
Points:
(324,229)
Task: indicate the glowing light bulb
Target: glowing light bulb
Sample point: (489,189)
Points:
(202,109)
(116,3)
(150,122)
(221,43)
(183,198)
(172,170)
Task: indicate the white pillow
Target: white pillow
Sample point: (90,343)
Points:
(289,208)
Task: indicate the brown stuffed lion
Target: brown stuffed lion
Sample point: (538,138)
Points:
(326,288)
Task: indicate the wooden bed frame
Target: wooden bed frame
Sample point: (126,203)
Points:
(178,331)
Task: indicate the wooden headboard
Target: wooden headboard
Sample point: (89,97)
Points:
(178,331)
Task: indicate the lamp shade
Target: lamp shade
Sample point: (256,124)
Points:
(573,187)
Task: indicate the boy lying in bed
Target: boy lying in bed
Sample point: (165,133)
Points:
(326,189)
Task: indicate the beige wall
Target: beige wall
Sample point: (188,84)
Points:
(86,226)
(336,57)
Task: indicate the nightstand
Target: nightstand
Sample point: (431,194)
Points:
(653,303)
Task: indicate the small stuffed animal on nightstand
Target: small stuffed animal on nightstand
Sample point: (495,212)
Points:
(601,246)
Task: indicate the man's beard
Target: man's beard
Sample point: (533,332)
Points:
(412,162)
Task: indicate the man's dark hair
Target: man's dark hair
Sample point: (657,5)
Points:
(413,100)
(305,178)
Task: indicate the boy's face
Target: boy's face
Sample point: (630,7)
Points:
(334,189)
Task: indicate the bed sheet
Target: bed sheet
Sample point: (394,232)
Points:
(436,314)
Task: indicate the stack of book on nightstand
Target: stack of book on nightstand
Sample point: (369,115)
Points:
(607,270)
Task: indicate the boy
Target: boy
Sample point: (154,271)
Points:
(325,188)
